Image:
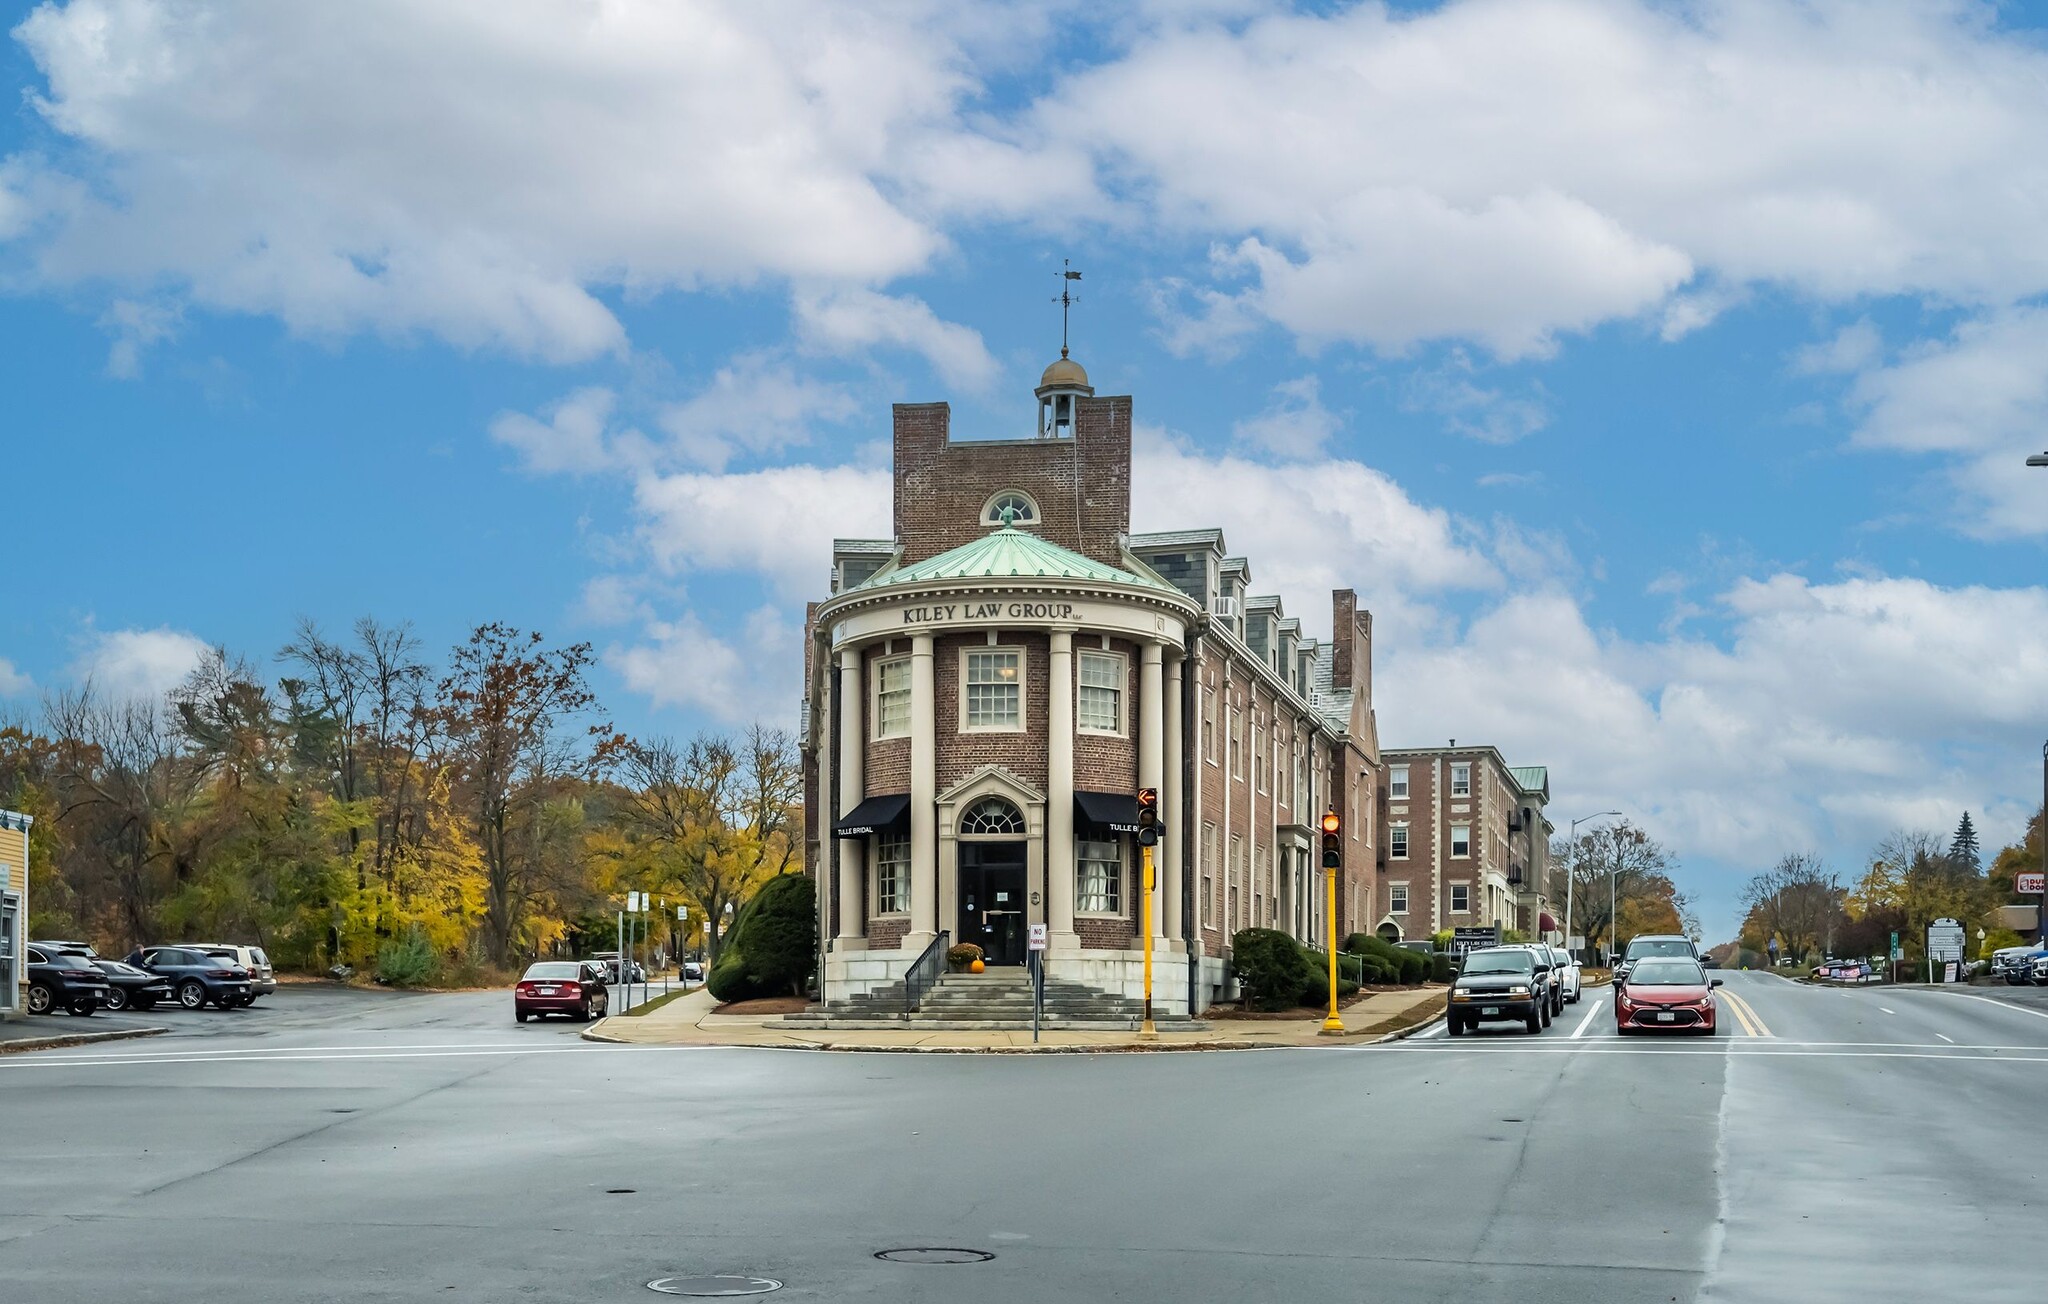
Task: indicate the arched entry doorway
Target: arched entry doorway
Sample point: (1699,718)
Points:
(994,880)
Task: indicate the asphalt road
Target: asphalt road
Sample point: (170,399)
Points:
(1852,1145)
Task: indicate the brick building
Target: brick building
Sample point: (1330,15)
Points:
(1466,843)
(987,689)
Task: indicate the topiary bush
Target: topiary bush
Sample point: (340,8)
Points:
(773,945)
(408,961)
(1273,968)
(1316,991)
(1440,970)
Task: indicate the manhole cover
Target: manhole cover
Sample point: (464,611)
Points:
(712,1287)
(934,1254)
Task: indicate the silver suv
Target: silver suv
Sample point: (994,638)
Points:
(262,978)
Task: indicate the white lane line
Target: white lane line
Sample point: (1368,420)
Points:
(39,1062)
(254,1052)
(2003,1005)
(1887,1009)
(1950,1040)
(1730,1048)
(1585,1023)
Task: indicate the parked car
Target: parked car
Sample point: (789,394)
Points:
(1665,994)
(62,980)
(2013,963)
(262,978)
(693,971)
(572,987)
(609,962)
(1499,983)
(194,976)
(130,988)
(1565,975)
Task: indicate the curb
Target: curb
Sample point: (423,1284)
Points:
(20,1045)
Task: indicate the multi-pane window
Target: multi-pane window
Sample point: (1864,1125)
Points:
(1397,841)
(892,698)
(1236,747)
(1397,783)
(1208,728)
(1397,899)
(1259,755)
(1102,692)
(1208,873)
(1461,839)
(1461,778)
(1461,898)
(995,691)
(1099,878)
(892,876)
(992,816)
(1022,511)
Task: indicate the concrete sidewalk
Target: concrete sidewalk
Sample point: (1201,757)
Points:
(45,1034)
(689,1021)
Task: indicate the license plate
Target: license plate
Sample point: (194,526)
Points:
(1666,1018)
(546,991)
(1491,1009)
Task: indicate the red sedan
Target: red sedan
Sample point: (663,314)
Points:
(1665,994)
(561,987)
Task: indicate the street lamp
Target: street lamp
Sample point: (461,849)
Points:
(1572,879)
(2038,460)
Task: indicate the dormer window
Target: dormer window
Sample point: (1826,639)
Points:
(1023,512)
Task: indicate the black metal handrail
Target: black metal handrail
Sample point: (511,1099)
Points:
(924,973)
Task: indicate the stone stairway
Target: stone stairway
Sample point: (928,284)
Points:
(996,999)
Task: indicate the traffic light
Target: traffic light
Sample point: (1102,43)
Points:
(1333,842)
(1148,817)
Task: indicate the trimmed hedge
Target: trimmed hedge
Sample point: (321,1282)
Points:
(1396,964)
(1317,990)
(773,945)
(1272,966)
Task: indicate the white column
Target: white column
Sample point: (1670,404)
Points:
(1059,795)
(1170,796)
(1151,743)
(924,759)
(852,788)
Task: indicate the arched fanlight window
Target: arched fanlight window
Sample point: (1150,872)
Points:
(1022,511)
(992,815)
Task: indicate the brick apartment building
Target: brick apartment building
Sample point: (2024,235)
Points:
(1466,843)
(987,689)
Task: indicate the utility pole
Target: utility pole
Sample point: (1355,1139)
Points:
(1571,880)
(1333,860)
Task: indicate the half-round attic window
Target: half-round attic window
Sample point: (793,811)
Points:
(1023,511)
(991,815)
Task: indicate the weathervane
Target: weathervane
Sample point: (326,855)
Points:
(1067,298)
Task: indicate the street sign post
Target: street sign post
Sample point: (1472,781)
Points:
(1944,946)
(1471,939)
(1035,952)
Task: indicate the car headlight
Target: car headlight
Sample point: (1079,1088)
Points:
(1518,990)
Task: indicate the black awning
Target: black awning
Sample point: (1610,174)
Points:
(884,814)
(1109,812)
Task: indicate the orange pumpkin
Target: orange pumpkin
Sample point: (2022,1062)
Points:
(976,967)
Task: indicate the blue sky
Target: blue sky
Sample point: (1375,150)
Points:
(1660,375)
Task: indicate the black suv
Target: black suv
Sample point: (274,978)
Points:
(63,978)
(195,977)
(1500,983)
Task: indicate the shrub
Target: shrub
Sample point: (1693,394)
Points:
(408,961)
(1397,963)
(1997,940)
(773,945)
(1316,991)
(1272,966)
(1440,967)
(962,955)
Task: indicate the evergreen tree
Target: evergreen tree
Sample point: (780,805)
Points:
(1962,848)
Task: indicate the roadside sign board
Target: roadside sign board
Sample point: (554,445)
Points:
(1037,938)
(1944,940)
(1471,939)
(2028,881)
(1898,952)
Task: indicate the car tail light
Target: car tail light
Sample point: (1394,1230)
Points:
(85,974)
(220,973)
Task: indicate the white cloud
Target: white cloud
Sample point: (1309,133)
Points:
(143,663)
(748,677)
(1506,171)
(1850,349)
(753,405)
(847,319)
(1489,415)
(778,523)
(12,681)
(1295,424)
(571,439)
(472,170)
(135,326)
(1979,400)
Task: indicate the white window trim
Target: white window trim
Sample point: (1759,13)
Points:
(1451,842)
(875,884)
(1452,898)
(1123,694)
(875,733)
(1123,872)
(988,509)
(1402,888)
(1023,724)
(1455,767)
(1402,854)
(1402,772)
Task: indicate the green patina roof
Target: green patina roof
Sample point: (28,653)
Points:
(1010,554)
(1533,778)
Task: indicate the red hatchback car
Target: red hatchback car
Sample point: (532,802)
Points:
(561,987)
(1665,994)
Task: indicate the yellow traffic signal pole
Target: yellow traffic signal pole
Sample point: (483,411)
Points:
(1332,1025)
(1146,1030)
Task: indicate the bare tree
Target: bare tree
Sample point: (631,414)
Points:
(1799,901)
(1616,868)
(117,790)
